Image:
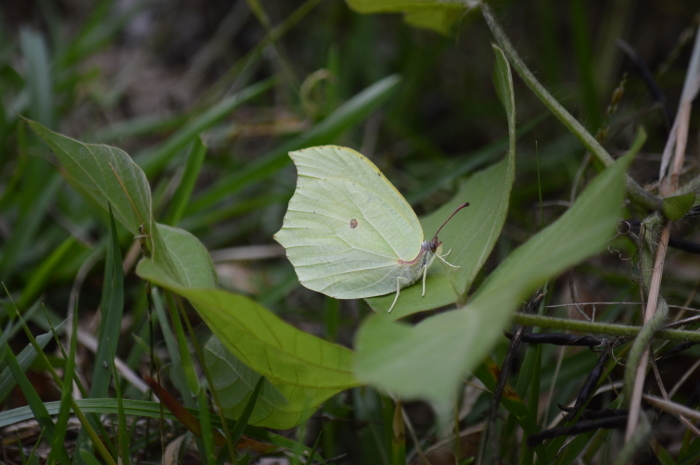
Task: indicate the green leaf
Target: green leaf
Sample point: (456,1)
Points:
(107,174)
(191,260)
(676,207)
(305,368)
(471,235)
(109,177)
(438,16)
(277,406)
(445,347)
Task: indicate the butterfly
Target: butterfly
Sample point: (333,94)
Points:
(348,232)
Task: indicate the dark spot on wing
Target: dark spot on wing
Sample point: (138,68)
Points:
(353,223)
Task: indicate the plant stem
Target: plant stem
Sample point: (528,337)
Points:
(602,328)
(635,192)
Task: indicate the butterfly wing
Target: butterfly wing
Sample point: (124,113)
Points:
(347,227)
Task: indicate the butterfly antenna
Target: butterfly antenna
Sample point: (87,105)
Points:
(448,219)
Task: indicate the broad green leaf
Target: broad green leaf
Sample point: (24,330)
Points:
(108,176)
(471,235)
(105,173)
(312,369)
(438,16)
(277,406)
(192,262)
(427,361)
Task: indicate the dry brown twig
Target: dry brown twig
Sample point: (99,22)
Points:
(668,185)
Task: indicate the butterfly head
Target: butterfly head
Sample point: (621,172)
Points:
(434,244)
(431,246)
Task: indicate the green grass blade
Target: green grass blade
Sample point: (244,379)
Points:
(24,360)
(88,458)
(466,164)
(176,372)
(349,114)
(138,126)
(37,281)
(184,190)
(186,361)
(146,409)
(584,61)
(111,311)
(9,311)
(310,459)
(232,381)
(66,392)
(36,405)
(122,434)
(28,223)
(99,30)
(205,422)
(39,76)
(487,374)
(242,421)
(153,161)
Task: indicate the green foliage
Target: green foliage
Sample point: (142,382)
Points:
(464,336)
(305,369)
(435,15)
(210,170)
(678,206)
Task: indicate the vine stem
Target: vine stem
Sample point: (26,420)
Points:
(609,329)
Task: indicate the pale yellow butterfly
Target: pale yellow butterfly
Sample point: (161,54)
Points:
(348,232)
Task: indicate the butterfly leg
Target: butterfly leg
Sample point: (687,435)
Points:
(398,291)
(442,257)
(425,276)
